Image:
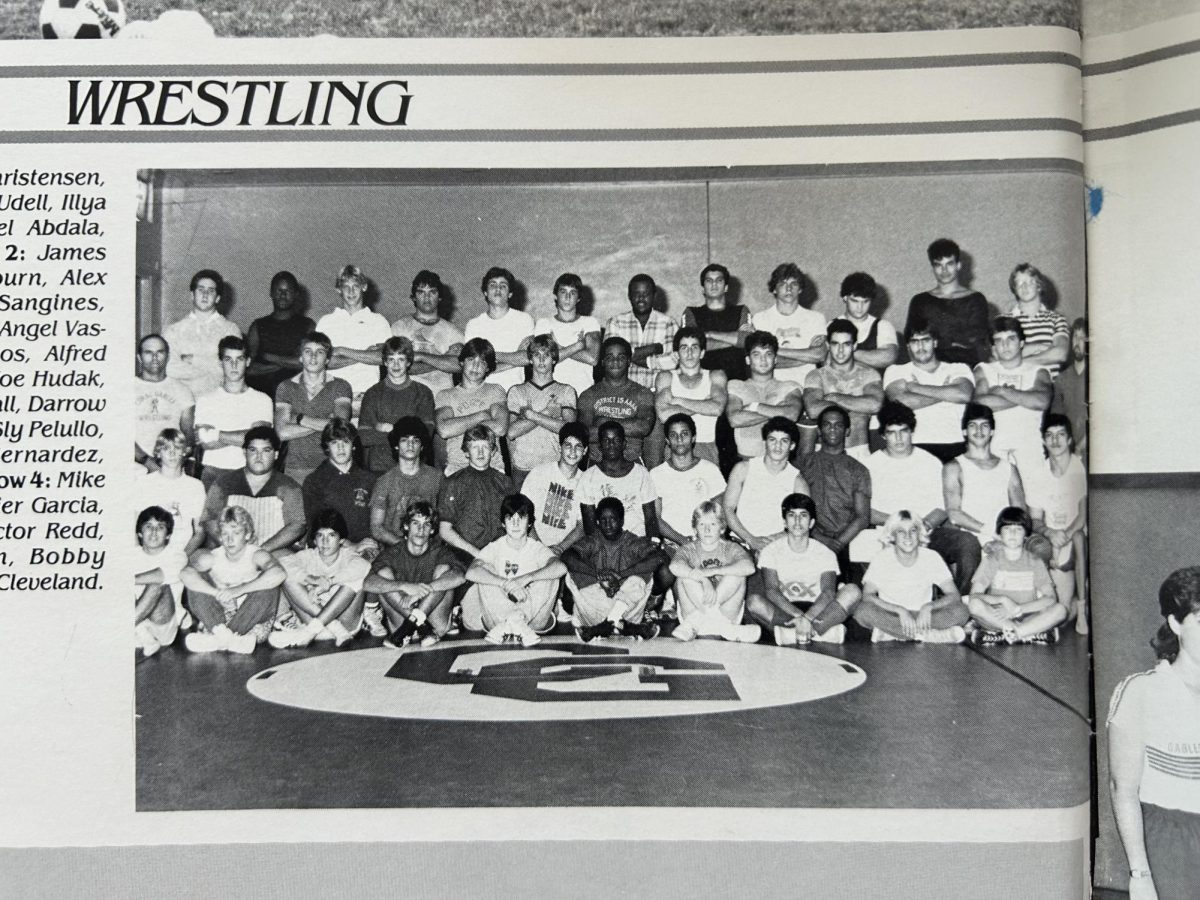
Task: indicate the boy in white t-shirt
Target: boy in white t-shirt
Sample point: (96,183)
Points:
(684,481)
(795,591)
(710,581)
(156,615)
(554,489)
(515,581)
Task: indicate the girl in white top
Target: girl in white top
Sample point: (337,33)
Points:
(1154,753)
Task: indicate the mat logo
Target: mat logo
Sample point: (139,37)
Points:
(558,680)
(572,674)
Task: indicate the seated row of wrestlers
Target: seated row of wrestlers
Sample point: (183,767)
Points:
(611,571)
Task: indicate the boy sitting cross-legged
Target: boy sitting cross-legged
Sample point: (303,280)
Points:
(515,581)
(796,591)
(609,574)
(1012,598)
(232,590)
(415,580)
(710,586)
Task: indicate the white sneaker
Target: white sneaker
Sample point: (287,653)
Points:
(952,635)
(497,634)
(430,639)
(284,638)
(743,634)
(684,632)
(241,643)
(834,635)
(202,642)
(528,636)
(373,616)
(881,637)
(785,636)
(340,634)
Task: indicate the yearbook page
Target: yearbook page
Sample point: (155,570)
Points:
(174,213)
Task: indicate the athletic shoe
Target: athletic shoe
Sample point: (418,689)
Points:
(428,636)
(527,636)
(785,636)
(283,638)
(952,635)
(241,643)
(642,631)
(684,632)
(591,632)
(402,635)
(341,634)
(373,616)
(203,642)
(983,638)
(1043,637)
(149,647)
(741,634)
(497,634)
(881,637)
(834,635)
(455,622)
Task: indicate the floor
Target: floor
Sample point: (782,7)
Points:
(931,727)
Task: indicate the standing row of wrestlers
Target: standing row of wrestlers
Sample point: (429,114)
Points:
(391,527)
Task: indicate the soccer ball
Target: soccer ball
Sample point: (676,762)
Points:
(82,18)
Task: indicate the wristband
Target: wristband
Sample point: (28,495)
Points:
(1139,873)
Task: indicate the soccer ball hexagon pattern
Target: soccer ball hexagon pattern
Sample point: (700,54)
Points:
(82,18)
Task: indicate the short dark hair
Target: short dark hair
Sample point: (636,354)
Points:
(331,519)
(615,505)
(1014,515)
(645,279)
(1004,324)
(714,267)
(577,430)
(781,423)
(479,348)
(212,275)
(284,275)
(422,508)
(893,412)
(262,433)
(398,343)
(518,505)
(943,248)
(783,272)
(338,429)
(918,324)
(613,341)
(676,419)
(497,272)
(758,339)
(836,410)
(317,337)
(425,278)
(1178,597)
(974,412)
(859,284)
(154,514)
(230,342)
(799,501)
(568,279)
(841,325)
(611,425)
(408,426)
(1058,420)
(689,331)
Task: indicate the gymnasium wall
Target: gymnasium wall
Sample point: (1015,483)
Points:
(669,223)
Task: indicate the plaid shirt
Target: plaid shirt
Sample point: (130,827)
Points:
(660,329)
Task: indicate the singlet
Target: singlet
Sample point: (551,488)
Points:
(706,426)
(760,505)
(984,493)
(226,572)
(731,360)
